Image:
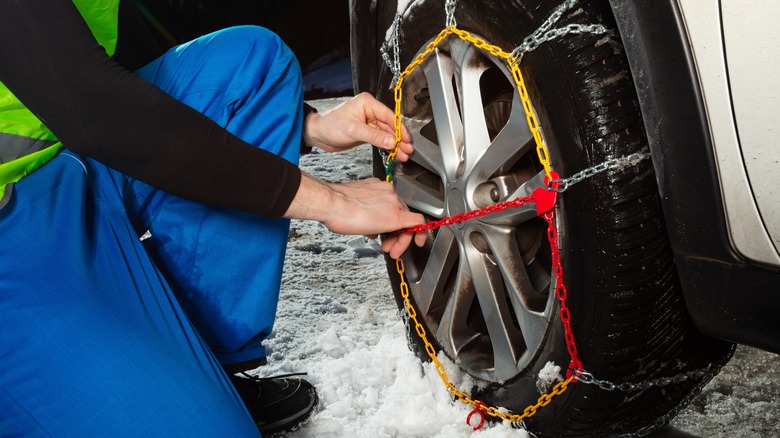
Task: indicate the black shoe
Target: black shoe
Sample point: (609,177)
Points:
(277,404)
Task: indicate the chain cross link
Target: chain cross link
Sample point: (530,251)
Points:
(546,33)
(665,419)
(613,163)
(393,64)
(588,379)
(449,8)
(544,27)
(575,29)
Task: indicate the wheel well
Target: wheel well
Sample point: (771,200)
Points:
(363,46)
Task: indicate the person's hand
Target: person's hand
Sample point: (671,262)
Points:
(368,207)
(379,199)
(362,119)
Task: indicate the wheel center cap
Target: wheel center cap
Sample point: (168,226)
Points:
(456,204)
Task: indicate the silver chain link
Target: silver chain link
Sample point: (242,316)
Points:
(449,8)
(518,53)
(613,163)
(545,33)
(704,375)
(536,35)
(588,379)
(714,369)
(393,64)
(410,342)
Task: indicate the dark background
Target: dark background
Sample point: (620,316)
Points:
(316,30)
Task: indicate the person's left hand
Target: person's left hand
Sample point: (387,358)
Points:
(362,119)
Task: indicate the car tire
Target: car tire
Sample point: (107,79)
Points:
(627,312)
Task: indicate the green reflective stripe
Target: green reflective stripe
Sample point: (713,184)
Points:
(19,168)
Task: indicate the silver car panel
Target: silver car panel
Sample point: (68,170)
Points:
(736,57)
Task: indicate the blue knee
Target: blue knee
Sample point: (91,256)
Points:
(254,51)
(245,78)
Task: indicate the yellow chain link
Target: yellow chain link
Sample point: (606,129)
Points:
(530,114)
(544,400)
(544,158)
(399,89)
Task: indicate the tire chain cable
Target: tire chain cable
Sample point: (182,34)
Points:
(576,373)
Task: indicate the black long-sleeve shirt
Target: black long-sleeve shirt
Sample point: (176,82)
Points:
(97,107)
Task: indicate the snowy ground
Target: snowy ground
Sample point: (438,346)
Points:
(337,321)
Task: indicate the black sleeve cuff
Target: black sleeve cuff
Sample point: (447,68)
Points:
(307,109)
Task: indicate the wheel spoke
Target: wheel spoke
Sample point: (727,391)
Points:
(490,292)
(449,128)
(426,153)
(453,333)
(529,186)
(419,196)
(440,262)
(518,286)
(469,67)
(514,140)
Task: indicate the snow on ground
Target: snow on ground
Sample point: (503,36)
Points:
(740,402)
(338,322)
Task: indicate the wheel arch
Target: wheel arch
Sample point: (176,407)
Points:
(363,45)
(726,296)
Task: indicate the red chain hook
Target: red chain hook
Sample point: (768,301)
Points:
(479,409)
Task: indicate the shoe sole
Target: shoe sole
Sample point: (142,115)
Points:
(291,424)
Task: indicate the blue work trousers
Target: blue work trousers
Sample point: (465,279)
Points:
(102,334)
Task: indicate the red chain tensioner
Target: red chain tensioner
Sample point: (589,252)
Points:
(545,207)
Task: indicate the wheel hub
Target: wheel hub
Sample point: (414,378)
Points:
(456,204)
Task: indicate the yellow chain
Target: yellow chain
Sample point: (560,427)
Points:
(544,400)
(399,92)
(544,158)
(530,114)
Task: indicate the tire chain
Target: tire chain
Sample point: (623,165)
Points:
(393,64)
(707,375)
(543,34)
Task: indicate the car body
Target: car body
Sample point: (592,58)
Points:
(719,186)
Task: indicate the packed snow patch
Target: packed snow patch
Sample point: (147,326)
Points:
(548,376)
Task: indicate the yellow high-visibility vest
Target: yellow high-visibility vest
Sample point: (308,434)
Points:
(26,143)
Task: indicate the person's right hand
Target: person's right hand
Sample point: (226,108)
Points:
(368,207)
